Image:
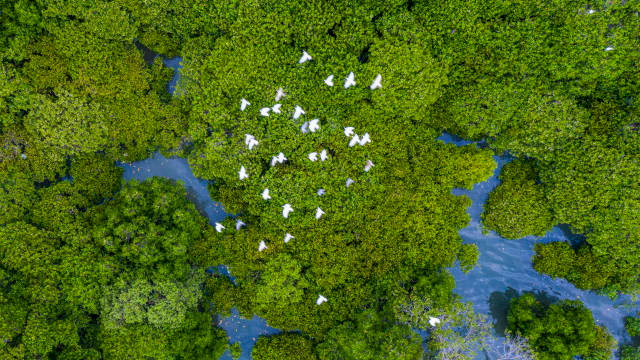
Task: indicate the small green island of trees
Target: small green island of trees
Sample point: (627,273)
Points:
(95,267)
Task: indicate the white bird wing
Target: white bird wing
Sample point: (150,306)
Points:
(281,157)
(609,48)
(349,182)
(350,80)
(365,139)
(252,143)
(286,209)
(288,237)
(348,131)
(239,224)
(354,140)
(279,94)
(276,108)
(329,80)
(265,194)
(265,111)
(243,104)
(305,127)
(305,57)
(369,164)
(242,174)
(323,155)
(433,321)
(319,213)
(247,138)
(313,156)
(298,112)
(377,82)
(262,246)
(219,227)
(320,192)
(320,300)
(314,125)
(274,160)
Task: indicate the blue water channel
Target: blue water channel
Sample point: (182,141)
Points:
(504,268)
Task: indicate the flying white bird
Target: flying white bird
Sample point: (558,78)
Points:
(243,104)
(319,213)
(314,125)
(276,108)
(349,181)
(365,139)
(368,165)
(288,237)
(377,82)
(329,80)
(320,192)
(286,209)
(305,127)
(350,80)
(313,156)
(262,246)
(242,174)
(433,321)
(320,300)
(250,141)
(265,111)
(609,48)
(348,131)
(279,94)
(297,112)
(323,155)
(219,227)
(354,140)
(239,224)
(265,194)
(278,159)
(305,57)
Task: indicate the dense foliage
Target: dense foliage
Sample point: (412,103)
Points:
(559,331)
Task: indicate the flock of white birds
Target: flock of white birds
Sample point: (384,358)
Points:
(308,126)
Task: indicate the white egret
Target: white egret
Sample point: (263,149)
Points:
(262,246)
(348,131)
(313,156)
(368,165)
(377,82)
(349,181)
(219,227)
(305,127)
(350,80)
(276,108)
(265,194)
(305,57)
(319,213)
(243,104)
(320,192)
(609,48)
(314,125)
(280,158)
(354,140)
(433,321)
(239,224)
(591,11)
(242,174)
(297,112)
(250,141)
(280,94)
(323,155)
(365,139)
(288,237)
(265,111)
(329,80)
(321,299)
(286,209)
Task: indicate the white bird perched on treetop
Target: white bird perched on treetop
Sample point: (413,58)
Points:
(349,181)
(250,141)
(314,125)
(319,213)
(348,131)
(297,112)
(433,321)
(278,159)
(305,57)
(288,237)
(323,155)
(350,80)
(280,94)
(239,224)
(354,140)
(368,165)
(243,104)
(377,82)
(320,192)
(321,299)
(365,139)
(609,48)
(265,111)
(262,246)
(265,194)
(242,174)
(305,127)
(313,156)
(329,80)
(276,108)
(286,209)
(219,227)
